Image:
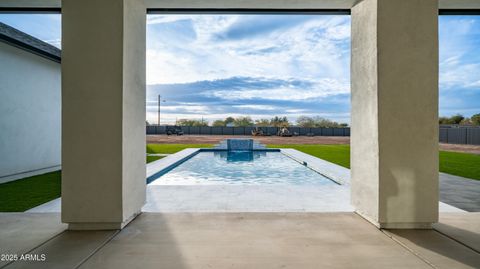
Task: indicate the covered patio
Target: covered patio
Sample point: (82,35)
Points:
(243,240)
(394,181)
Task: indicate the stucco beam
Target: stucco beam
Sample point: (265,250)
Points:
(30,4)
(259,4)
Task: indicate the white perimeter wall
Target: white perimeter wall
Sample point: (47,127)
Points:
(30,113)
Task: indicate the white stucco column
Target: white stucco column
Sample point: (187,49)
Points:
(394,142)
(103,112)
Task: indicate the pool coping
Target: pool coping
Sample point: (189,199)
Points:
(246,198)
(338,174)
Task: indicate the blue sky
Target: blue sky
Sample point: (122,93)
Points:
(213,66)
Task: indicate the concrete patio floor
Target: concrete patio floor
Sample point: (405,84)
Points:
(242,240)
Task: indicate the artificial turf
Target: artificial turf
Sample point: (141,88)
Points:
(23,194)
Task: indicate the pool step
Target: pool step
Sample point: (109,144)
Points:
(224,145)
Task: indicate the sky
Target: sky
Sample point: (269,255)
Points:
(214,66)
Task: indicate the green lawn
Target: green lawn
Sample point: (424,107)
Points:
(455,163)
(460,164)
(339,154)
(170,149)
(173,148)
(153,158)
(23,194)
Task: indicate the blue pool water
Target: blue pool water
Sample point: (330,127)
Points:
(241,168)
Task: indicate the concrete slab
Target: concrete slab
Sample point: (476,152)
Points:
(463,227)
(252,240)
(437,249)
(241,199)
(239,240)
(21,232)
(446,208)
(67,250)
(53,206)
(247,198)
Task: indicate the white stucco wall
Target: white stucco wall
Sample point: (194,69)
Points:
(30,113)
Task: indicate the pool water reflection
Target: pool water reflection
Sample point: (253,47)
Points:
(241,168)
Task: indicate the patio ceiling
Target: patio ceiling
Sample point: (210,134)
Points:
(228,4)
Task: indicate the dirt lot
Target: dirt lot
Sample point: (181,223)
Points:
(214,139)
(460,148)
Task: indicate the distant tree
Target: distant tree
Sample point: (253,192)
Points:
(279,122)
(192,122)
(229,120)
(218,123)
(475,119)
(262,122)
(444,120)
(310,122)
(243,122)
(456,119)
(322,122)
(466,121)
(306,122)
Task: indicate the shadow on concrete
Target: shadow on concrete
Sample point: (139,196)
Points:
(468,238)
(66,250)
(251,240)
(144,242)
(438,249)
(22,232)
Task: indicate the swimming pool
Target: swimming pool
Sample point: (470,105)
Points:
(240,168)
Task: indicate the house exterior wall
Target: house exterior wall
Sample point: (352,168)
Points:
(30,114)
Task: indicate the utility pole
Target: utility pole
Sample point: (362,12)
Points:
(159,103)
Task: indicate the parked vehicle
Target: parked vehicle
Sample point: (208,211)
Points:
(284,132)
(257,132)
(174,130)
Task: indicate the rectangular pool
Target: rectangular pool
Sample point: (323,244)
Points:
(240,168)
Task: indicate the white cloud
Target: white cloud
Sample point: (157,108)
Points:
(275,51)
(306,50)
(459,57)
(255,107)
(321,88)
